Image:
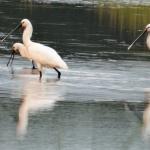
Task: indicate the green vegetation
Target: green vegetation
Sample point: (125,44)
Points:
(124,17)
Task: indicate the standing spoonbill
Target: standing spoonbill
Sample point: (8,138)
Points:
(147,29)
(43,56)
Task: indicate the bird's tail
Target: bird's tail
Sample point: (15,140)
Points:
(64,65)
(61,64)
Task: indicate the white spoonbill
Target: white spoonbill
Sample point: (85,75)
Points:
(19,48)
(44,56)
(147,29)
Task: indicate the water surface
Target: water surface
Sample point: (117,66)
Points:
(101,102)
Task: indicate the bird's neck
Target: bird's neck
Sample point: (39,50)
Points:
(27,34)
(148,41)
(24,52)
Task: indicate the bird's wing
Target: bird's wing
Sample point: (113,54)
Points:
(46,56)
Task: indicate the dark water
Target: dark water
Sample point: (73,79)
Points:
(101,102)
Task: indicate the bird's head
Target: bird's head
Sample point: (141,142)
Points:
(15,50)
(147,28)
(24,23)
(17,47)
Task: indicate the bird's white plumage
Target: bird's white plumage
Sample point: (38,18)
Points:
(147,26)
(148,41)
(44,56)
(148,36)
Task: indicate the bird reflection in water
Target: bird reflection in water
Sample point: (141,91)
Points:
(146,117)
(38,96)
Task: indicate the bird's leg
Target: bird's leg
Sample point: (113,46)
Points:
(40,70)
(40,75)
(59,73)
(33,65)
(12,59)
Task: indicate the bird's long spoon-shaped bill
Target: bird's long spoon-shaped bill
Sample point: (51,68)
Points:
(10,61)
(13,30)
(136,40)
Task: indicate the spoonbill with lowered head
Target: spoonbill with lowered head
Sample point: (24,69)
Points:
(43,56)
(146,30)
(19,48)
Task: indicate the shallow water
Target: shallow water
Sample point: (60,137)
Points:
(101,102)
